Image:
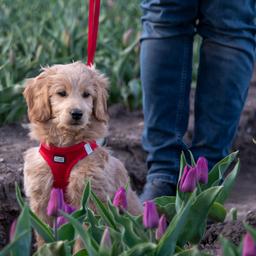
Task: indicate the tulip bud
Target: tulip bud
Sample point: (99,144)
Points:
(249,246)
(61,220)
(184,174)
(12,230)
(150,215)
(202,170)
(69,208)
(56,202)
(120,199)
(162,226)
(188,180)
(106,239)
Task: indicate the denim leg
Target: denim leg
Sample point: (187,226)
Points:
(166,64)
(226,65)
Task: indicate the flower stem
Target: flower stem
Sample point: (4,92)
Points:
(55,228)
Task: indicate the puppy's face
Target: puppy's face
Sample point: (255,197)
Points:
(68,96)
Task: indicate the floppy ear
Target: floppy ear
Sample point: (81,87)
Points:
(100,100)
(37,98)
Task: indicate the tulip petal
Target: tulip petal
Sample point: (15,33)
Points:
(106,239)
(249,246)
(69,208)
(189,182)
(12,230)
(150,215)
(120,199)
(162,226)
(56,202)
(202,170)
(61,221)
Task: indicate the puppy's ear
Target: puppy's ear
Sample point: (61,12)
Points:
(37,98)
(100,100)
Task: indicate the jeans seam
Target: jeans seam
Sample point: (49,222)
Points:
(181,92)
(182,88)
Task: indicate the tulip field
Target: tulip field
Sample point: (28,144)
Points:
(169,225)
(213,212)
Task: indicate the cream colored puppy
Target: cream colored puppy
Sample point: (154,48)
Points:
(67,105)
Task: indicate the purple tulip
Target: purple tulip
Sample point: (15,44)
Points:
(202,170)
(120,199)
(56,202)
(162,226)
(150,215)
(188,180)
(12,230)
(184,174)
(61,220)
(249,246)
(69,209)
(106,239)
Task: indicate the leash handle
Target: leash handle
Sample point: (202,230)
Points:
(93,26)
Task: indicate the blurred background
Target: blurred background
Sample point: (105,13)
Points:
(39,33)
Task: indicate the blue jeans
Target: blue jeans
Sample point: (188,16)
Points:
(227,54)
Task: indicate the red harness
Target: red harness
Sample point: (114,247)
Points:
(62,160)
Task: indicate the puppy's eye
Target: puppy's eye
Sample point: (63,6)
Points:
(86,95)
(62,93)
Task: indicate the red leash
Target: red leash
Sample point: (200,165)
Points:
(93,26)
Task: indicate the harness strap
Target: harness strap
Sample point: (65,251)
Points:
(61,160)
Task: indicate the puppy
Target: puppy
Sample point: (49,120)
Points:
(66,106)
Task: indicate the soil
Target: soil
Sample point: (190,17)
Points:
(124,140)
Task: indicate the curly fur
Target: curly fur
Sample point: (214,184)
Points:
(51,123)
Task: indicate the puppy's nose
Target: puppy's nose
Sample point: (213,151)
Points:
(76,114)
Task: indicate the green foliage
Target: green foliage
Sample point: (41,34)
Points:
(21,243)
(187,214)
(54,249)
(42,229)
(41,33)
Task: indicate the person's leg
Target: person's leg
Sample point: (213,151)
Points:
(166,56)
(226,64)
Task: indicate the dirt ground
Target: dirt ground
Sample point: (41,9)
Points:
(124,139)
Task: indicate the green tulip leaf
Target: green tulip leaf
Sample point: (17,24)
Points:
(86,239)
(198,215)
(66,232)
(217,212)
(167,243)
(82,252)
(21,243)
(179,197)
(163,200)
(86,194)
(219,169)
(23,224)
(59,248)
(228,184)
(13,247)
(192,159)
(141,250)
(127,227)
(228,248)
(169,210)
(42,229)
(93,226)
(103,211)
